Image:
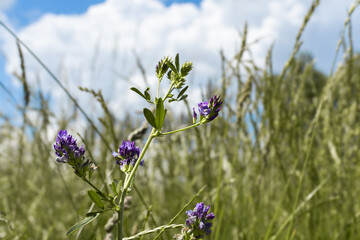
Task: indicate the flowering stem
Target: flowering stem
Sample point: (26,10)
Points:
(128,181)
(182,129)
(138,161)
(169,91)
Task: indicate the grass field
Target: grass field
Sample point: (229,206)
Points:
(280,162)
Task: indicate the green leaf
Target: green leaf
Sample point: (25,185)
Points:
(159,113)
(82,223)
(169,74)
(177,65)
(182,91)
(96,199)
(171,65)
(147,95)
(144,95)
(183,97)
(149,117)
(138,92)
(113,186)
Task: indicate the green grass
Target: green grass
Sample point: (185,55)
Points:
(281,161)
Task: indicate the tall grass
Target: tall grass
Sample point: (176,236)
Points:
(281,162)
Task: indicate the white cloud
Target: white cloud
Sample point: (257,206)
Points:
(94,48)
(5,4)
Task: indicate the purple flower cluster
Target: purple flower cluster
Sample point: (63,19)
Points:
(208,110)
(199,220)
(67,150)
(127,156)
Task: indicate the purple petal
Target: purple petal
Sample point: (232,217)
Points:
(210,216)
(115,154)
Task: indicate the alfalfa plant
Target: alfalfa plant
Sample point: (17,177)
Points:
(129,157)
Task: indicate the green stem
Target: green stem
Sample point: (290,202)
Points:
(127,182)
(93,186)
(169,91)
(121,213)
(132,174)
(182,129)
(158,88)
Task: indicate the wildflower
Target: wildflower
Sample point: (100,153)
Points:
(127,156)
(66,148)
(68,152)
(209,110)
(198,224)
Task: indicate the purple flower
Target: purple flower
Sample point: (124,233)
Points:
(199,221)
(67,150)
(209,110)
(127,156)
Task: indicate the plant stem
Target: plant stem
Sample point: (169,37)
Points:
(182,129)
(129,179)
(169,91)
(158,88)
(127,182)
(93,186)
(120,213)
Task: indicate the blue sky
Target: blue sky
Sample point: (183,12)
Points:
(24,12)
(84,41)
